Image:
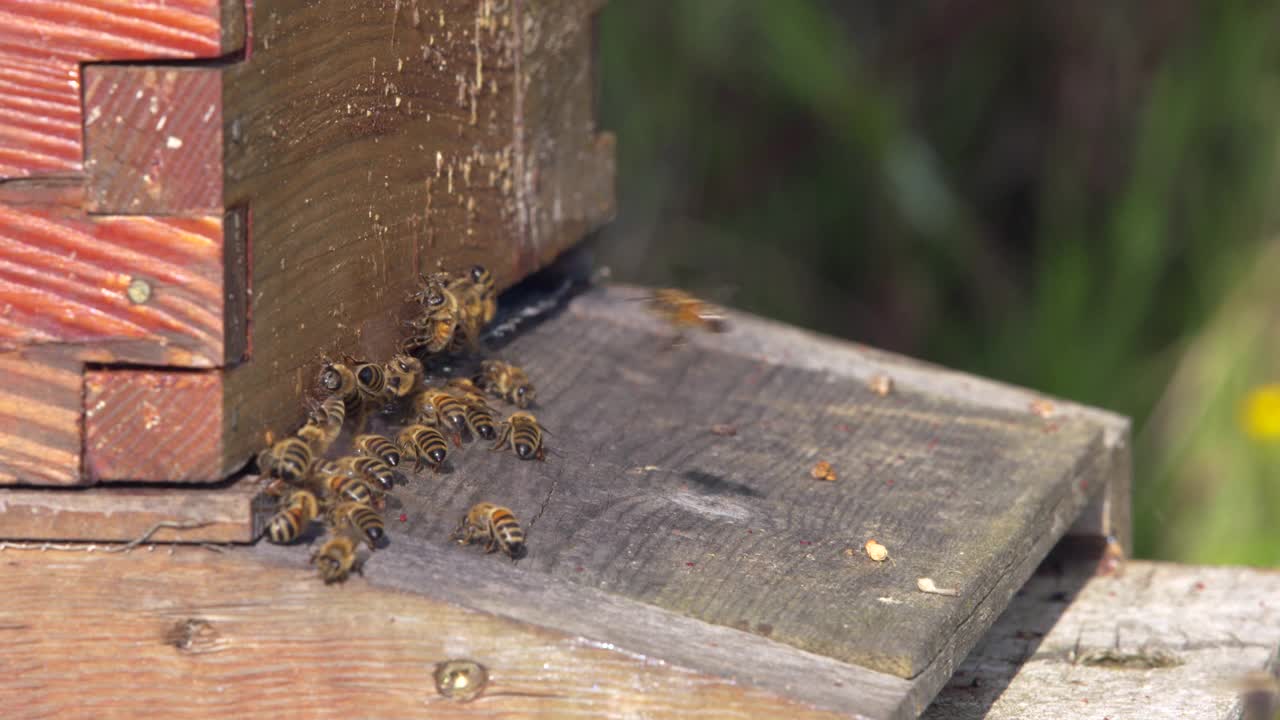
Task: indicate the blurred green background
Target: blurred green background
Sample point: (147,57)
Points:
(1074,197)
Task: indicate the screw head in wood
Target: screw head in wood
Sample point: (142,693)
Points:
(139,291)
(461,680)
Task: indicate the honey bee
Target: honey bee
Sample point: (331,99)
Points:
(289,460)
(683,310)
(496,526)
(379,447)
(439,408)
(434,329)
(479,415)
(368,467)
(403,373)
(336,558)
(325,424)
(334,483)
(425,444)
(522,432)
(361,519)
(506,382)
(298,510)
(354,382)
(483,286)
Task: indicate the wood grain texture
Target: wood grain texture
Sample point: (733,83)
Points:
(153,140)
(224,637)
(232,514)
(394,148)
(43,42)
(1062,646)
(642,499)
(40,432)
(64,277)
(153,426)
(767,340)
(564,167)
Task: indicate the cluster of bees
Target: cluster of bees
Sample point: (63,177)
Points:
(348,493)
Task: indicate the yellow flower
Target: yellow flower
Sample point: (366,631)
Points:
(1261,415)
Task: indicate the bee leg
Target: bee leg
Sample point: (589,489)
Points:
(541,454)
(490,546)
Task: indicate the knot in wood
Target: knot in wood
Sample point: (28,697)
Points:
(461,680)
(139,291)
(192,635)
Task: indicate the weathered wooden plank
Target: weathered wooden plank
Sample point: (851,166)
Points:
(224,637)
(144,289)
(1156,641)
(234,513)
(153,426)
(43,43)
(768,340)
(40,433)
(644,500)
(153,140)
(393,149)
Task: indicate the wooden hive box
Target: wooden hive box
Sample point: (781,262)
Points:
(198,201)
(182,238)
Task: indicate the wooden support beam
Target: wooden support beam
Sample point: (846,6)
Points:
(40,432)
(1141,639)
(153,426)
(234,513)
(42,47)
(224,634)
(153,140)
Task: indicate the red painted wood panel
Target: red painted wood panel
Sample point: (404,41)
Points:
(43,43)
(153,139)
(153,426)
(40,408)
(65,277)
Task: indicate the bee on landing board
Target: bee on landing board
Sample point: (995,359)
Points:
(371,469)
(440,409)
(337,485)
(683,310)
(425,444)
(523,434)
(297,512)
(379,447)
(506,382)
(336,559)
(496,526)
(360,519)
(289,460)
(325,424)
(479,415)
(403,373)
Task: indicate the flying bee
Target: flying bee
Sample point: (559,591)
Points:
(336,558)
(290,460)
(298,510)
(403,373)
(523,433)
(446,410)
(361,519)
(379,447)
(496,526)
(683,310)
(333,482)
(506,382)
(425,444)
(368,467)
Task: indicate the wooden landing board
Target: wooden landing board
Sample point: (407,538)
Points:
(210,635)
(1159,641)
